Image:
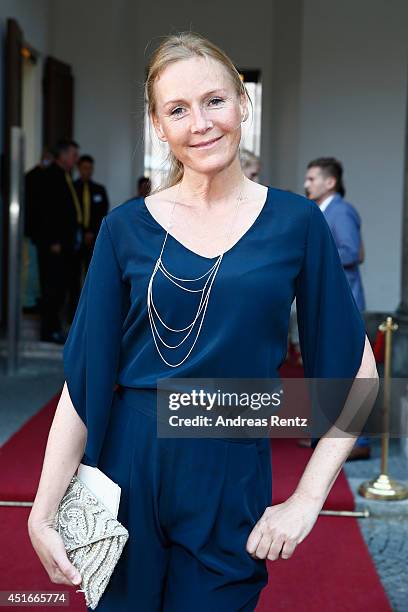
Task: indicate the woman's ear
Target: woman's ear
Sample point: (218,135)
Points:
(158,128)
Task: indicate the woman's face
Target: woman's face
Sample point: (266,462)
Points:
(199,113)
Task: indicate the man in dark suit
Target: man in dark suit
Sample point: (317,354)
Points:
(59,234)
(94,205)
(33,194)
(33,198)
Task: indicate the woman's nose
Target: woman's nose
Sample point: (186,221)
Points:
(200,121)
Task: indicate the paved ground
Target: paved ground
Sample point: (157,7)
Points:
(23,394)
(386,531)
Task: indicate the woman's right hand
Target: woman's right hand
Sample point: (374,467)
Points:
(50,548)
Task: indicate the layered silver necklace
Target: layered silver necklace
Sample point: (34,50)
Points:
(194,327)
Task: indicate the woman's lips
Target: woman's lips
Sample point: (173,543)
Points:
(207,144)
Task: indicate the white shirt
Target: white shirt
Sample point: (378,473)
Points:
(326,202)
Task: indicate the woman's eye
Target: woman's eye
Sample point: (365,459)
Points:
(177,111)
(216,101)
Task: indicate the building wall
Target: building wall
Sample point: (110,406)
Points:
(334,83)
(353,97)
(284,99)
(95,38)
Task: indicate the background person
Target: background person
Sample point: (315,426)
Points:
(250,164)
(33,282)
(144,187)
(94,205)
(58,240)
(324,184)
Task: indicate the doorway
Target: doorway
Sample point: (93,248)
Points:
(32,126)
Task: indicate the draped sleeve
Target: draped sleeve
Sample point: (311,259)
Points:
(92,349)
(331,328)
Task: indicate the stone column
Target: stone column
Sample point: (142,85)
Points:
(400,339)
(402,310)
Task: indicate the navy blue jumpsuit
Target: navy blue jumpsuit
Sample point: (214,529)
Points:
(190,504)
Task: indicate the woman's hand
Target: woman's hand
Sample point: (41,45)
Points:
(282,527)
(49,546)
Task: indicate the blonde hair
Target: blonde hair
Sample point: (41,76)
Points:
(174,48)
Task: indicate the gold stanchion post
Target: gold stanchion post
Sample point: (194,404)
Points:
(383,487)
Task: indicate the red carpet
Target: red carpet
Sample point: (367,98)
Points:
(331,570)
(20,568)
(20,464)
(22,456)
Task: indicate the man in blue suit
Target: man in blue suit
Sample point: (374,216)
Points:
(324,184)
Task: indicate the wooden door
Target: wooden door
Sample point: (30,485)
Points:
(58,91)
(12,117)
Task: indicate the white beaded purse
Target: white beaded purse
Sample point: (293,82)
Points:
(93,538)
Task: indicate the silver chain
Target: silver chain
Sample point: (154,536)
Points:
(205,291)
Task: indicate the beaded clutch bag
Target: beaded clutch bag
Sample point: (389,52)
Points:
(92,536)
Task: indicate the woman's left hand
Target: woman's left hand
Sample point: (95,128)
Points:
(282,527)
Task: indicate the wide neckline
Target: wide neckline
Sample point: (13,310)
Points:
(240,239)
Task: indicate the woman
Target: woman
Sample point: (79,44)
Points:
(197,510)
